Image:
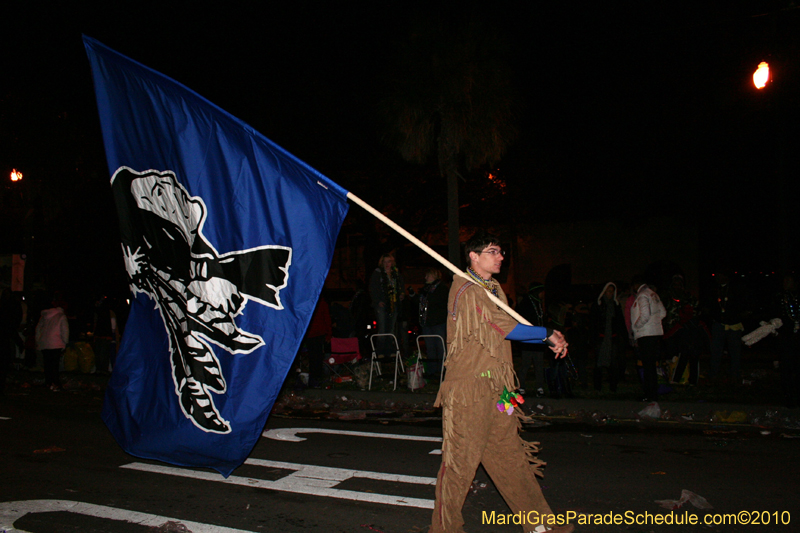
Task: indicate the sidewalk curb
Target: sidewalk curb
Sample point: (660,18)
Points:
(680,415)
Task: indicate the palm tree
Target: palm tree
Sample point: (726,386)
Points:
(450,97)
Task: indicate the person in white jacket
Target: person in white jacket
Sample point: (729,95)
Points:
(646,315)
(52,336)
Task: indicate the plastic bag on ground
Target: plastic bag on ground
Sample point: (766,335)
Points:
(415,376)
(651,411)
(686,496)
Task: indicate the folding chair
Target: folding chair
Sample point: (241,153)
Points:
(398,363)
(345,352)
(444,349)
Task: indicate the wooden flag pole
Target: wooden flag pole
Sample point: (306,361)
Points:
(450,266)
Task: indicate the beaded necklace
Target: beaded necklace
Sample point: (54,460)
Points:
(537,308)
(487,283)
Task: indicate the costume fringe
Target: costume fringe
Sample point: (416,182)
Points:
(470,328)
(531,448)
(477,387)
(466,389)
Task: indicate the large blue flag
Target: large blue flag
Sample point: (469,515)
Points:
(227,240)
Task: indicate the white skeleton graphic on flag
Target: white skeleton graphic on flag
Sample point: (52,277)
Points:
(197,291)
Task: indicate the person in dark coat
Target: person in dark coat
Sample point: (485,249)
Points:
(10,318)
(727,310)
(431,305)
(387,291)
(318,334)
(684,335)
(608,336)
(788,310)
(531,307)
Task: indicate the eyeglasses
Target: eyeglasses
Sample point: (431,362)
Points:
(494,251)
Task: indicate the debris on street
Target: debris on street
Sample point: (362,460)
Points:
(171,527)
(51,449)
(651,411)
(686,496)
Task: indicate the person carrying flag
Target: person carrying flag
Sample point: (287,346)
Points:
(476,427)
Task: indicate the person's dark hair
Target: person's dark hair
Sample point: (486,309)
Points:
(478,242)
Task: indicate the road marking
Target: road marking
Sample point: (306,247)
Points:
(10,512)
(4,418)
(290,435)
(306,479)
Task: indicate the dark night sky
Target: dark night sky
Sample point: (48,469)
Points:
(631,108)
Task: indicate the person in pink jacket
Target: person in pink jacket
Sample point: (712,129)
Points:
(52,336)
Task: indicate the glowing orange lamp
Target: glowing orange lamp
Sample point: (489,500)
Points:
(761,75)
(15,175)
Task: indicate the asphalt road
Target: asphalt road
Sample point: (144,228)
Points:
(62,472)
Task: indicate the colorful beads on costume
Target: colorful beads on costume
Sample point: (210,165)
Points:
(509,400)
(485,283)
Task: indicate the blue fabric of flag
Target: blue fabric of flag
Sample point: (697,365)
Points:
(227,241)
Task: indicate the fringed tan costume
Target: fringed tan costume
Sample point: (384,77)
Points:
(475,432)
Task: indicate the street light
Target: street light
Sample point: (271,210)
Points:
(15,175)
(761,75)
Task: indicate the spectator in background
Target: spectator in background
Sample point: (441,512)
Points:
(33,312)
(10,318)
(789,341)
(629,300)
(636,282)
(431,305)
(531,307)
(52,336)
(105,335)
(359,317)
(646,315)
(387,291)
(319,332)
(558,373)
(727,310)
(684,336)
(608,336)
(578,336)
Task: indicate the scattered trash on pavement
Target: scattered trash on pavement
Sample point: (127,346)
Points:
(686,496)
(735,417)
(476,485)
(768,419)
(651,411)
(51,449)
(171,527)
